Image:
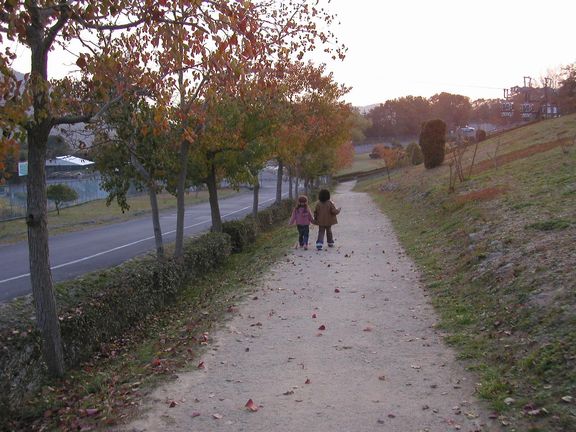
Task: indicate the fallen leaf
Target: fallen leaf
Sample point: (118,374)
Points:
(313,315)
(336,290)
(322,327)
(201,365)
(307,381)
(195,414)
(156,362)
(382,377)
(251,406)
(90,412)
(567,399)
(288,393)
(172,404)
(217,416)
(367,329)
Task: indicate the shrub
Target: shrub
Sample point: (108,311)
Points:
(414,154)
(480,135)
(242,233)
(432,142)
(378,151)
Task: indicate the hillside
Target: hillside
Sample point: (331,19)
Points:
(499,262)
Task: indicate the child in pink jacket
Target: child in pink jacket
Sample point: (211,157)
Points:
(302,217)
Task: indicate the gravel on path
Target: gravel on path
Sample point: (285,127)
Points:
(336,340)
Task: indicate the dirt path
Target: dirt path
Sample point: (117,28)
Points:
(336,340)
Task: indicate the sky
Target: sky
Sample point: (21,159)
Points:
(474,48)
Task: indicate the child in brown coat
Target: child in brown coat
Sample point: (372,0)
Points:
(325,216)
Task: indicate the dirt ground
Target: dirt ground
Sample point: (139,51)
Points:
(336,340)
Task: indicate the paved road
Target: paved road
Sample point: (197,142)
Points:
(74,254)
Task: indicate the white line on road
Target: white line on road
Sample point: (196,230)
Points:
(127,245)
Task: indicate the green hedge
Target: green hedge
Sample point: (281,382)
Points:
(98,308)
(244,232)
(241,232)
(102,306)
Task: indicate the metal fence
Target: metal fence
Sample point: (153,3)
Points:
(13,196)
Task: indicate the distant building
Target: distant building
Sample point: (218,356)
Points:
(67,165)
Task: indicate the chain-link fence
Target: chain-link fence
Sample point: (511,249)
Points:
(13,196)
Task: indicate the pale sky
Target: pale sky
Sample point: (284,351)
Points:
(470,47)
(421,47)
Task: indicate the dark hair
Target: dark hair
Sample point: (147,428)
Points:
(323,195)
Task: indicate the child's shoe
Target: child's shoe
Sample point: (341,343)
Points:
(319,246)
(330,244)
(306,246)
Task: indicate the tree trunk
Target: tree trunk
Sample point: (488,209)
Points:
(279,181)
(36,212)
(153,204)
(290,183)
(212,184)
(296,186)
(256,196)
(40,274)
(156,221)
(180,210)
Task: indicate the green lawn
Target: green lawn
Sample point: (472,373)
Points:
(98,213)
(362,163)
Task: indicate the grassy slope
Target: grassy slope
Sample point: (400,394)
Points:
(362,163)
(498,256)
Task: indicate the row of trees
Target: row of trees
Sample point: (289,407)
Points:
(177,92)
(403,117)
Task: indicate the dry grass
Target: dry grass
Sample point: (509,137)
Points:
(481,195)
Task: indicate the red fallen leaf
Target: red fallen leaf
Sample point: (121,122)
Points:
(314,316)
(251,406)
(201,365)
(156,362)
(307,381)
(90,412)
(172,404)
(195,414)
(322,327)
(48,414)
(367,329)
(232,309)
(336,290)
(391,416)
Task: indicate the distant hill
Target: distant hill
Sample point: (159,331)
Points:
(365,109)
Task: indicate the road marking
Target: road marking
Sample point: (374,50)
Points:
(130,244)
